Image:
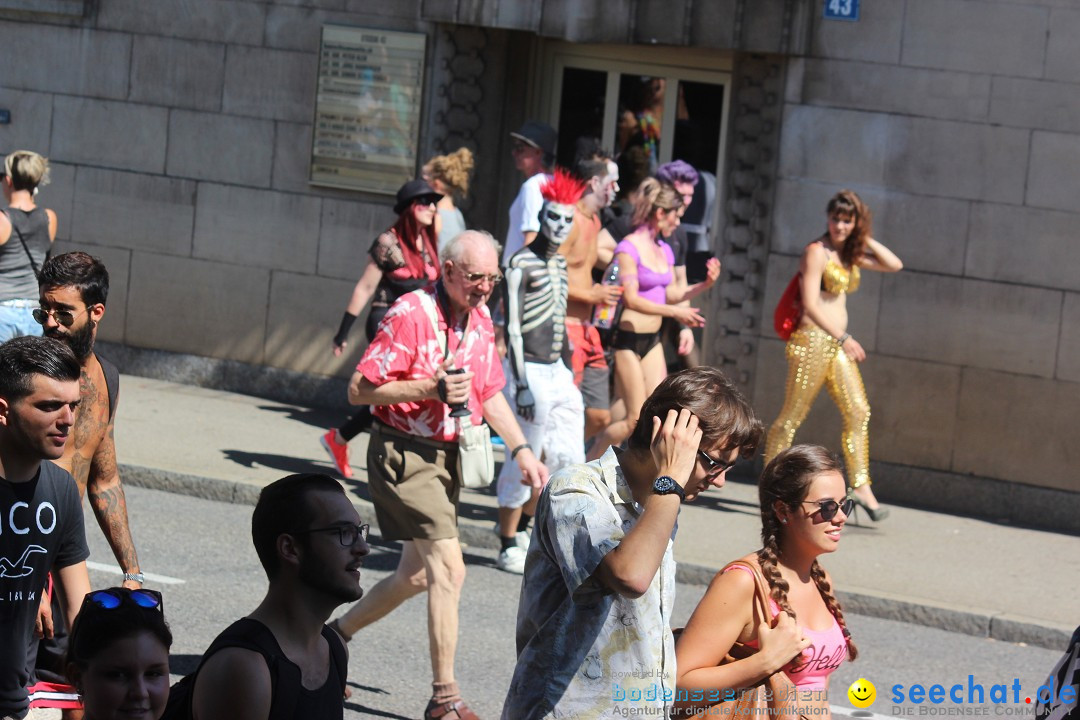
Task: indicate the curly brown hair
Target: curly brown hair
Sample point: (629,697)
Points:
(787,479)
(452,170)
(849,205)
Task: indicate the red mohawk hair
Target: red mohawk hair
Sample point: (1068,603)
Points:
(562,188)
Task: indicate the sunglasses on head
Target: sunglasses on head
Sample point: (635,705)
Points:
(828,508)
(66,318)
(115,597)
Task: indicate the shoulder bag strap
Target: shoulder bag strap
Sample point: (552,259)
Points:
(761,590)
(33,265)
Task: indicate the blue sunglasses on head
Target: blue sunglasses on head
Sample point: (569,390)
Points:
(115,597)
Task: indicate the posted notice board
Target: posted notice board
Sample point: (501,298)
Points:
(367,108)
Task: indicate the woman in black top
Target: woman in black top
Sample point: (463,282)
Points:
(402,259)
(26,236)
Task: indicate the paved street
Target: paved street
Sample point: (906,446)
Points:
(207,545)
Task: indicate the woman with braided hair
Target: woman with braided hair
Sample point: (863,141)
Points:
(804,505)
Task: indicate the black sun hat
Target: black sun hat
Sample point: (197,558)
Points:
(411,191)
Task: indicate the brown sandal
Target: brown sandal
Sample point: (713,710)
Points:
(461,711)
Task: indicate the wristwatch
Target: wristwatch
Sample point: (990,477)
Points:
(666,485)
(134,577)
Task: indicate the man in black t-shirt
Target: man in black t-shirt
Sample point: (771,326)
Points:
(41,522)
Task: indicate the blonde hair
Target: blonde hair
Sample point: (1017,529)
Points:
(453,170)
(27,170)
(653,194)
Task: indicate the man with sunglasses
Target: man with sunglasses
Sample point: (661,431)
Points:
(594,617)
(73,290)
(41,521)
(435,348)
(282,660)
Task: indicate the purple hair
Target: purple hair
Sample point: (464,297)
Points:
(677,171)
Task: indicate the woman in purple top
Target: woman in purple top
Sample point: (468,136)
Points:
(646,265)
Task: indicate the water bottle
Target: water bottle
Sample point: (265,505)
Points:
(604,315)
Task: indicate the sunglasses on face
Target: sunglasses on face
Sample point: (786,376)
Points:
(66,318)
(427,200)
(115,597)
(348,535)
(829,508)
(713,466)
(477,277)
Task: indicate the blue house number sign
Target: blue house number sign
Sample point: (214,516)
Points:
(841,9)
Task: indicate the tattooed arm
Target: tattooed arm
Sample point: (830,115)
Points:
(110,508)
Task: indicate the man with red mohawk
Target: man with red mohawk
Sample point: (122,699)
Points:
(543,394)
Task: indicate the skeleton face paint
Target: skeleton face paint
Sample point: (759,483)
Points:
(611,183)
(557,219)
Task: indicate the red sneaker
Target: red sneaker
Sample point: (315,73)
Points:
(338,452)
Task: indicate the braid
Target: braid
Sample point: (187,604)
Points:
(767,559)
(818,574)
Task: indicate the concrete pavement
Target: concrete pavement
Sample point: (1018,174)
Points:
(955,573)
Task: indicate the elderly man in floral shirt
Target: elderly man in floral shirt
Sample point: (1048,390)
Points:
(407,374)
(593,629)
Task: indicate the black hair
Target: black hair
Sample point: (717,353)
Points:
(283,508)
(23,357)
(77,269)
(722,412)
(96,628)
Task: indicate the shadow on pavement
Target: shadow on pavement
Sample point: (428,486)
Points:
(284,463)
(315,417)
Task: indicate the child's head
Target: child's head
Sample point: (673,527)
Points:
(118,654)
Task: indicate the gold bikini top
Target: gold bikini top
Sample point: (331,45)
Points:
(838,279)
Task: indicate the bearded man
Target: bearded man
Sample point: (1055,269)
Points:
(73,290)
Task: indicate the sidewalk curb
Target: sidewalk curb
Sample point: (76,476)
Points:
(978,622)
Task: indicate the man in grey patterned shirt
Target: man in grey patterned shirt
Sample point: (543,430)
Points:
(593,630)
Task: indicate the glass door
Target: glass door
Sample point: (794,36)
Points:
(647,106)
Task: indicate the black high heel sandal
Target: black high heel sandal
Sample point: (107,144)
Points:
(879,513)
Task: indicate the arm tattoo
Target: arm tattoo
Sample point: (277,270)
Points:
(110,507)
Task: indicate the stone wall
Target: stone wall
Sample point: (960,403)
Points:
(957,122)
(179,134)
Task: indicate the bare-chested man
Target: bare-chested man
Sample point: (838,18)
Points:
(73,290)
(589,247)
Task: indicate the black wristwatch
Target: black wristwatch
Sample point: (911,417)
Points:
(666,485)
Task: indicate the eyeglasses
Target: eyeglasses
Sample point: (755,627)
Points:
(427,200)
(115,597)
(714,466)
(62,317)
(828,508)
(477,277)
(347,534)
(521,146)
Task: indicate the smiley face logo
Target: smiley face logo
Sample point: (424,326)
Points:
(862,693)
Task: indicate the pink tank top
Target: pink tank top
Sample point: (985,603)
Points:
(827,651)
(652,285)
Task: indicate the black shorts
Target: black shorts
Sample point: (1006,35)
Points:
(638,343)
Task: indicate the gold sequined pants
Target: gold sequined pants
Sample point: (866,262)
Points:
(814,359)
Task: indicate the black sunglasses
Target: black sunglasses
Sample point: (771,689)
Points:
(828,508)
(115,597)
(714,466)
(347,534)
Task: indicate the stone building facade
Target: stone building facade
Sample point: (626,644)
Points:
(180,134)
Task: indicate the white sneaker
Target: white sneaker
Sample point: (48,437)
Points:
(522,538)
(512,560)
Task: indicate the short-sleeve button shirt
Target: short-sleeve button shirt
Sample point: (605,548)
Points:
(406,347)
(583,650)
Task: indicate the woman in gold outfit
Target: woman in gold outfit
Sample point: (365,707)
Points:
(822,352)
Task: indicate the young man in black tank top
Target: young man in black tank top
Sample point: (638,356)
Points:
(310,542)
